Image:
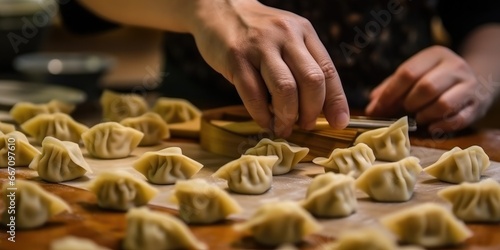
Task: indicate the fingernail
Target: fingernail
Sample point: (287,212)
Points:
(371,107)
(309,125)
(341,120)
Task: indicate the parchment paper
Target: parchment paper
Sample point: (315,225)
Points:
(291,186)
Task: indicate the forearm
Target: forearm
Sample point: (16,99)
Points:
(183,16)
(482,51)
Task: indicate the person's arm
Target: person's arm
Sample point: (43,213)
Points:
(261,50)
(448,90)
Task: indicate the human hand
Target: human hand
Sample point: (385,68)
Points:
(262,50)
(436,85)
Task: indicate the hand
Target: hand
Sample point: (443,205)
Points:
(262,51)
(436,85)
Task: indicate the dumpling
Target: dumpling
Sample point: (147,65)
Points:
(279,223)
(201,202)
(459,165)
(391,182)
(353,161)
(250,174)
(388,144)
(75,243)
(166,166)
(154,128)
(15,150)
(365,239)
(7,128)
(58,125)
(119,190)
(33,205)
(428,225)
(175,110)
(23,111)
(60,161)
(288,155)
(150,230)
(331,195)
(116,106)
(111,140)
(474,202)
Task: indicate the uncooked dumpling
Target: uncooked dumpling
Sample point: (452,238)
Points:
(7,128)
(23,111)
(475,202)
(390,182)
(201,202)
(459,165)
(175,110)
(58,125)
(289,155)
(250,174)
(428,225)
(166,166)
(60,161)
(353,161)
(119,190)
(111,140)
(388,144)
(151,125)
(75,243)
(150,230)
(116,106)
(16,145)
(331,195)
(279,223)
(33,205)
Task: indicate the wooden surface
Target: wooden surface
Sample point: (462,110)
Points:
(108,228)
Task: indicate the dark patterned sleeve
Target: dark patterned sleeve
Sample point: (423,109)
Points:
(460,17)
(78,19)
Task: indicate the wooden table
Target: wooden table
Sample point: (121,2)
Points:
(108,228)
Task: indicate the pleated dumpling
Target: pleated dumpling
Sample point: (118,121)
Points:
(120,190)
(391,182)
(474,202)
(75,243)
(331,195)
(201,202)
(353,161)
(288,155)
(116,106)
(15,150)
(60,161)
(428,225)
(175,110)
(250,174)
(7,128)
(166,166)
(388,144)
(150,230)
(151,125)
(460,165)
(58,125)
(279,223)
(23,111)
(33,205)
(111,140)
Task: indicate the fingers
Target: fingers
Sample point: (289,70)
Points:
(281,84)
(335,106)
(253,93)
(310,84)
(452,110)
(402,81)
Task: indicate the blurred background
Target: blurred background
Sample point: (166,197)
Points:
(37,51)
